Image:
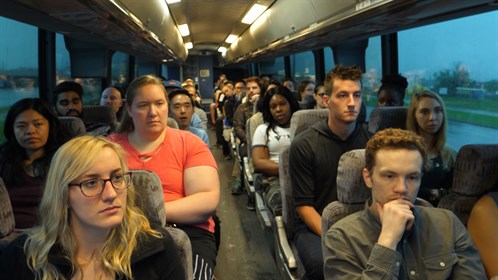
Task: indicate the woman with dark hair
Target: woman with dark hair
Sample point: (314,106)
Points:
(33,135)
(270,139)
(392,91)
(426,116)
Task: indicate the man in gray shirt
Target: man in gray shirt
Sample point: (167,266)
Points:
(392,238)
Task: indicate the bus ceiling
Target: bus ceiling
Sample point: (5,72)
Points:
(148,29)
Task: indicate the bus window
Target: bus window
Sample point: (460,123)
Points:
(373,73)
(62,60)
(18,64)
(303,67)
(329,59)
(273,67)
(119,68)
(460,66)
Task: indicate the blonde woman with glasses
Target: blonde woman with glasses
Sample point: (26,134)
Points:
(89,225)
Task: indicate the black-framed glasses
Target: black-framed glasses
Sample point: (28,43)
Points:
(95,187)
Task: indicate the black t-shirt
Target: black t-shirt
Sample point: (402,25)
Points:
(313,160)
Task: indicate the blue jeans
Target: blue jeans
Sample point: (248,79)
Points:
(309,248)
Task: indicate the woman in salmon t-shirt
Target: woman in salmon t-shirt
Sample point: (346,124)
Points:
(186,167)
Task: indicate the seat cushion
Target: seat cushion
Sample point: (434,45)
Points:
(7,222)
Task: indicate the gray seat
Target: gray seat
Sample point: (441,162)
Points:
(387,117)
(285,252)
(475,173)
(150,199)
(7,221)
(73,126)
(352,193)
(99,119)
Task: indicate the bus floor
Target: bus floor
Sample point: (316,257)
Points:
(245,252)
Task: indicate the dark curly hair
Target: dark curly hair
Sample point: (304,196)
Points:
(288,95)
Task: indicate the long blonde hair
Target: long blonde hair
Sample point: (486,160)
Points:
(439,140)
(71,161)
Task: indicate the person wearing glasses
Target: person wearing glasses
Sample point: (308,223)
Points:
(318,96)
(89,225)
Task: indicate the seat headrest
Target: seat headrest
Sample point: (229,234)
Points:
(303,119)
(351,188)
(387,117)
(476,169)
(99,114)
(73,126)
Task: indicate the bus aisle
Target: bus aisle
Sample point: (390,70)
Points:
(244,252)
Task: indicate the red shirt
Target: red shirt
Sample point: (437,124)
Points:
(179,150)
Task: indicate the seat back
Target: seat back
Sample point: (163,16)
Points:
(73,126)
(172,123)
(97,115)
(474,173)
(352,193)
(150,199)
(387,117)
(303,119)
(7,222)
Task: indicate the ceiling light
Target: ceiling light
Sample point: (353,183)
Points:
(231,38)
(189,45)
(253,13)
(184,29)
(172,1)
(222,49)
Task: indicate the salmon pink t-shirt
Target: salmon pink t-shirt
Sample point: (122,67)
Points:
(179,151)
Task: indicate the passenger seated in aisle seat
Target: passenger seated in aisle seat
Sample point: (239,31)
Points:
(197,109)
(184,164)
(113,97)
(318,96)
(392,91)
(89,225)
(273,135)
(392,238)
(225,96)
(427,117)
(68,99)
(33,134)
(313,160)
(255,86)
(305,91)
(182,109)
(483,228)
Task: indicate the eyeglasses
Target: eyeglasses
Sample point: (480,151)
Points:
(95,187)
